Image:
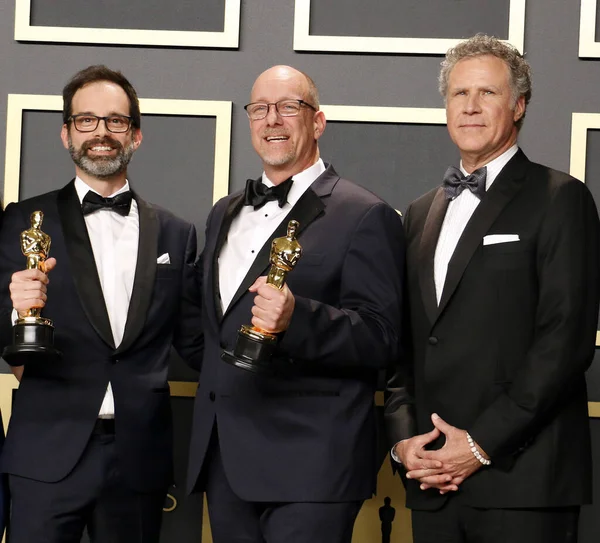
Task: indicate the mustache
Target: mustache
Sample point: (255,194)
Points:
(271,133)
(106,140)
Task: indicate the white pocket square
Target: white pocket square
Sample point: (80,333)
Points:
(493,239)
(163,259)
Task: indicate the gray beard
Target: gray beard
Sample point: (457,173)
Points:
(102,167)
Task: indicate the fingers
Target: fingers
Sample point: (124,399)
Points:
(49,265)
(441,424)
(258,283)
(28,289)
(429,476)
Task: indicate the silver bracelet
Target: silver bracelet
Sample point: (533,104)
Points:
(475,452)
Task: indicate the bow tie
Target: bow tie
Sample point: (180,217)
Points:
(455,182)
(120,203)
(258,194)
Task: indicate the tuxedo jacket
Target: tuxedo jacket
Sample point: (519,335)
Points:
(58,402)
(504,353)
(308,431)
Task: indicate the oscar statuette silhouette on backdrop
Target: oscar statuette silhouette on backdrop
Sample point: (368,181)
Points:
(255,347)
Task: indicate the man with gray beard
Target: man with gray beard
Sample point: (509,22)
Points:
(90,440)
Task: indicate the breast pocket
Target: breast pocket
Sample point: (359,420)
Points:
(507,256)
(167,271)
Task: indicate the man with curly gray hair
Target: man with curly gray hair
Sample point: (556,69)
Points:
(487,415)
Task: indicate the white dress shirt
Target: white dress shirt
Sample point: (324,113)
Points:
(251,229)
(114,241)
(457,216)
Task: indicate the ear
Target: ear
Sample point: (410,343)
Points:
(137,137)
(64,136)
(319,124)
(519,108)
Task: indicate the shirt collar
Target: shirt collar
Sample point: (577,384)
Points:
(302,181)
(495,166)
(82,188)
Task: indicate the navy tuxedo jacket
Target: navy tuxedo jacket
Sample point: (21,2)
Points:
(57,403)
(308,432)
(504,354)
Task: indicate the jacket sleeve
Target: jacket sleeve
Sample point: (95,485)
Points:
(363,330)
(564,329)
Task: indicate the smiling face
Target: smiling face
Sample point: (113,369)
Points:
(286,145)
(481,111)
(101,156)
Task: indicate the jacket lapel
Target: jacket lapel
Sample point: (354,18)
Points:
(427,246)
(305,211)
(83,265)
(502,191)
(235,204)
(145,273)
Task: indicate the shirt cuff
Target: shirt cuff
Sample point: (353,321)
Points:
(14,316)
(394,455)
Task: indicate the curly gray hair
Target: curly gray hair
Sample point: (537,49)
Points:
(480,45)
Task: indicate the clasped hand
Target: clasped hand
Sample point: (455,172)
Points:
(444,469)
(273,308)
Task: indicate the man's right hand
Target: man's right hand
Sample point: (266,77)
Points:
(28,288)
(410,453)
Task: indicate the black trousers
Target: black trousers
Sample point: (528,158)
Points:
(458,523)
(93,495)
(233,520)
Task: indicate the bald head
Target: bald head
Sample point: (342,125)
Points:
(300,82)
(286,141)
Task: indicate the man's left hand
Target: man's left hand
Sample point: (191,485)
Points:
(456,456)
(273,308)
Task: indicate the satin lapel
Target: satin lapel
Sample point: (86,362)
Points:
(83,265)
(306,210)
(145,274)
(502,191)
(232,210)
(427,246)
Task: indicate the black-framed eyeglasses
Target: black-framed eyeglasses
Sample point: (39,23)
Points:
(85,122)
(286,108)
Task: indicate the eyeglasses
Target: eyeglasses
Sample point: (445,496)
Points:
(88,123)
(286,108)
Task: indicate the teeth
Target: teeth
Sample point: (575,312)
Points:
(101,148)
(277,138)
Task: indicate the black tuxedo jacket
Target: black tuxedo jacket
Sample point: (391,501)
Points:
(504,354)
(308,432)
(58,403)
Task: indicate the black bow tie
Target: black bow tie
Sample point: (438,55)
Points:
(121,203)
(455,182)
(258,194)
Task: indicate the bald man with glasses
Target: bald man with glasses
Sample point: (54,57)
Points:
(290,455)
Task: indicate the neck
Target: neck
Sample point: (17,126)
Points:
(104,187)
(472,162)
(278,174)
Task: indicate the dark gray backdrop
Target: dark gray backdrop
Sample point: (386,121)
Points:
(174,167)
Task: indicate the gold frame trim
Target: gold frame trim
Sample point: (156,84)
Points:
(580,124)
(221,110)
(229,38)
(304,41)
(588,46)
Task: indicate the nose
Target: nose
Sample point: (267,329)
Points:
(273,118)
(101,129)
(472,104)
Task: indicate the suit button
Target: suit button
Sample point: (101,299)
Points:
(114,360)
(211,396)
(433,340)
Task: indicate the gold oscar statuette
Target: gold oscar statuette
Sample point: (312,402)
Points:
(255,347)
(33,335)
